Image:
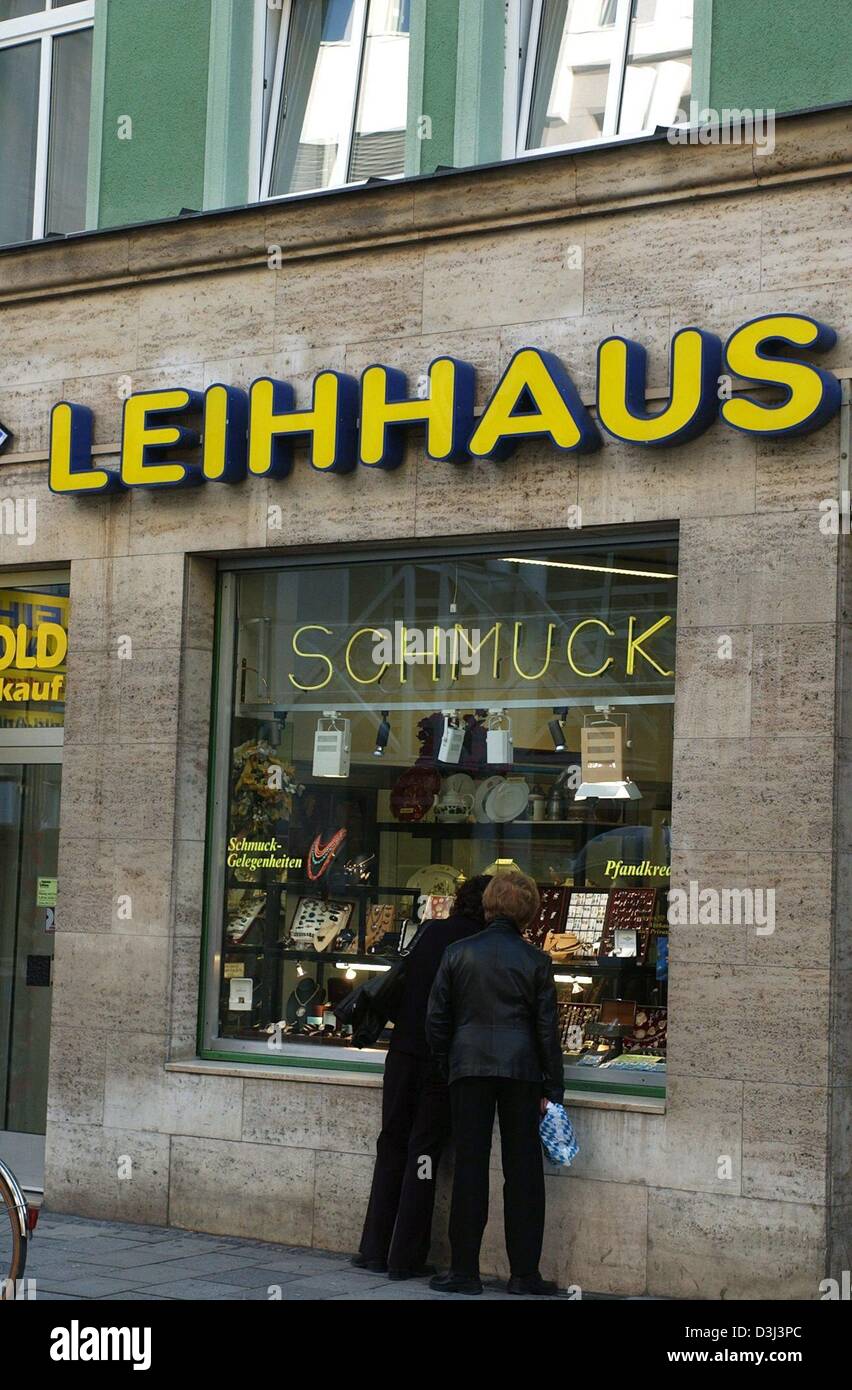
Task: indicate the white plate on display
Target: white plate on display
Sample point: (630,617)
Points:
(483,792)
(440,879)
(458,784)
(508,801)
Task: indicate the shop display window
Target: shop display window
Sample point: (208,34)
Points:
(390,725)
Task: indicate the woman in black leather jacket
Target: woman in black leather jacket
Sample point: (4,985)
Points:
(492,1025)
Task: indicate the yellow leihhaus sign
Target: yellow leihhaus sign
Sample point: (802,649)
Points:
(33,651)
(179,437)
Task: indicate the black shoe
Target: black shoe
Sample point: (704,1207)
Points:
(396,1276)
(532,1284)
(373,1266)
(456,1283)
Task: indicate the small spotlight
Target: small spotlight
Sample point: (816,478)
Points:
(300,969)
(557,733)
(332,745)
(452,739)
(498,739)
(350,974)
(382,735)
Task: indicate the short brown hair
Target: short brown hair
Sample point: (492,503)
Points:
(511,895)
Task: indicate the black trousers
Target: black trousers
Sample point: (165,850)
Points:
(415,1128)
(473,1100)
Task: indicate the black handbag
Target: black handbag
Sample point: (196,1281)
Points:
(373,1005)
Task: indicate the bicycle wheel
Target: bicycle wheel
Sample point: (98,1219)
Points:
(13,1234)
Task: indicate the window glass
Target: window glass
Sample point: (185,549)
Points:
(273,33)
(16,9)
(378,143)
(320,76)
(19,69)
(69,132)
(576,46)
(395,727)
(658,79)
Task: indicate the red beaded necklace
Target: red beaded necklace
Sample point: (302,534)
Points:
(320,855)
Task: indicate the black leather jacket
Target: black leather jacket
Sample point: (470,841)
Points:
(492,1010)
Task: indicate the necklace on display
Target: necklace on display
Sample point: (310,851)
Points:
(320,855)
(302,1004)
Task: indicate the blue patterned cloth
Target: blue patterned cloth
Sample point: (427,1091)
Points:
(557,1135)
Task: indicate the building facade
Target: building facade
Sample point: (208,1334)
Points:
(243,799)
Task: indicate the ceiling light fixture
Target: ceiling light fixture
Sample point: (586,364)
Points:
(592,569)
(352,969)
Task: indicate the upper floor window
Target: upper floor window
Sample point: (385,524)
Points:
(600,68)
(336,93)
(45,93)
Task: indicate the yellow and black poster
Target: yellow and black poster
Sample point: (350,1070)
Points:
(33,656)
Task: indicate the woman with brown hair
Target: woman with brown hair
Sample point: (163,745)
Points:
(492,1026)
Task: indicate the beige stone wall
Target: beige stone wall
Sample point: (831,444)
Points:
(474,264)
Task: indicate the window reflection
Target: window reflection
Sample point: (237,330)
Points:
(606,67)
(316,100)
(658,79)
(577,43)
(19,68)
(17,9)
(69,132)
(378,144)
(344,101)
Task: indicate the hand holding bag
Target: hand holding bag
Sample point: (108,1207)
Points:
(557,1135)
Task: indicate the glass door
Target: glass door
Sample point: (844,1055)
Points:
(29,841)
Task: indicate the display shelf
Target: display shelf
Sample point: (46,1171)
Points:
(308,954)
(603,966)
(475,830)
(315,886)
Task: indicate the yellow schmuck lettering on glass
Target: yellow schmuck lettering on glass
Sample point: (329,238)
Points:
(534,652)
(316,656)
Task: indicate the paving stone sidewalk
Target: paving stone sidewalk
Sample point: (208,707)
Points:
(75,1258)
